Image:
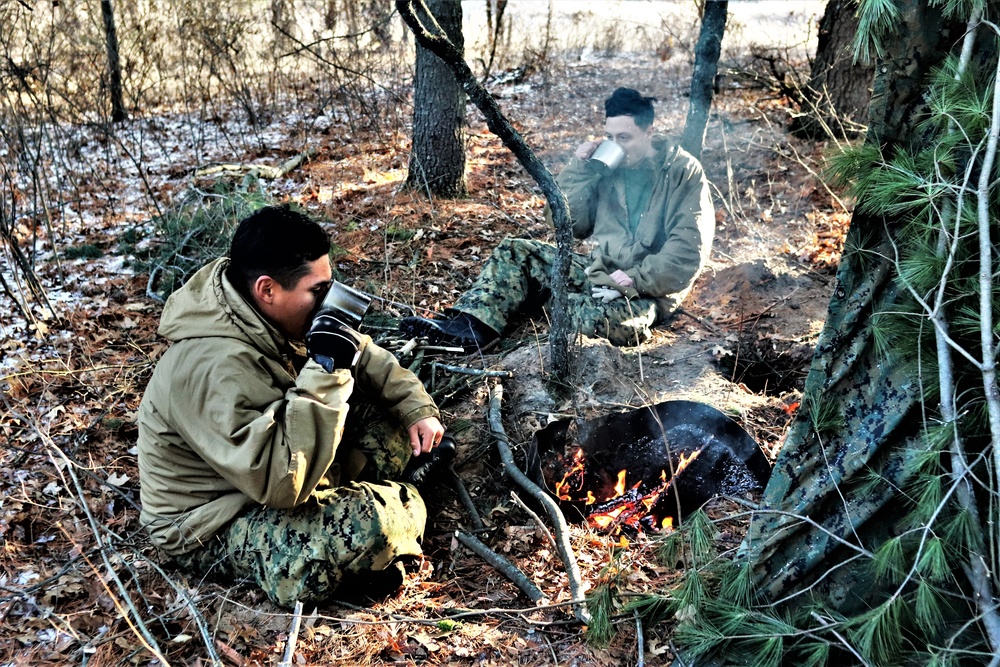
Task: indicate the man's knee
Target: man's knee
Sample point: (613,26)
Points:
(518,249)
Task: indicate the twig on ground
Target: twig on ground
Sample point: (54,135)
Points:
(700,320)
(473,371)
(463,495)
(188,604)
(125,605)
(555,514)
(293,636)
(640,644)
(537,519)
(451,613)
(443,348)
(502,565)
(677,656)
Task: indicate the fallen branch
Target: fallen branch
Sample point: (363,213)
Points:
(555,514)
(640,644)
(463,495)
(293,636)
(503,566)
(262,171)
(537,519)
(465,370)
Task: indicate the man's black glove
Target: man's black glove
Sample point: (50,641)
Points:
(332,344)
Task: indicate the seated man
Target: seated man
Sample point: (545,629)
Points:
(257,462)
(650,222)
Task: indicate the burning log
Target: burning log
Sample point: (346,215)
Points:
(630,497)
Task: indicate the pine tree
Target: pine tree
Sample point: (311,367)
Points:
(911,578)
(892,556)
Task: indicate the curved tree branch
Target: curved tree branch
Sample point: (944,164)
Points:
(432,37)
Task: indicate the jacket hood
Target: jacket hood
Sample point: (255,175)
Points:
(208,306)
(666,150)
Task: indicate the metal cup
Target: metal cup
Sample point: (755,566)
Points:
(347,303)
(608,153)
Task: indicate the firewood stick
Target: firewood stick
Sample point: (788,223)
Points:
(504,566)
(537,519)
(463,495)
(555,514)
(293,636)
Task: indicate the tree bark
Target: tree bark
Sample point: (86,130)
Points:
(432,37)
(437,156)
(839,89)
(118,113)
(706,65)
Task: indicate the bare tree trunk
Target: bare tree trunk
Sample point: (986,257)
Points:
(114,64)
(437,157)
(706,64)
(432,37)
(839,89)
(494,29)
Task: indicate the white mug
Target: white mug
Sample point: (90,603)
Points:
(608,153)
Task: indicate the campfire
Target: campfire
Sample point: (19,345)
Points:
(634,508)
(641,471)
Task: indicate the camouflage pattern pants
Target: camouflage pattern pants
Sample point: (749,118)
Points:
(343,530)
(516,280)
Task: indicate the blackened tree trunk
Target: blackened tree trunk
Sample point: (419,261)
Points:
(706,65)
(836,100)
(114,63)
(437,157)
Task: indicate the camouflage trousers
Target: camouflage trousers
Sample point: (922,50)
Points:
(517,280)
(346,531)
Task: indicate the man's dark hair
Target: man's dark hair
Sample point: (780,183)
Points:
(274,241)
(628,102)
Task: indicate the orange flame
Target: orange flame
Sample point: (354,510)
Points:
(620,486)
(632,511)
(563,487)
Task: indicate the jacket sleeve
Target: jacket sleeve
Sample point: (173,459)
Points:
(274,445)
(579,181)
(689,223)
(380,376)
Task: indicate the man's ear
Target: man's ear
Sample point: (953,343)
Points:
(263,289)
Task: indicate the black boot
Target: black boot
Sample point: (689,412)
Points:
(373,585)
(424,469)
(460,330)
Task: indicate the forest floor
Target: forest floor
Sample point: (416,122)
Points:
(72,385)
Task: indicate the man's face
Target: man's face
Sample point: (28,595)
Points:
(636,141)
(291,310)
